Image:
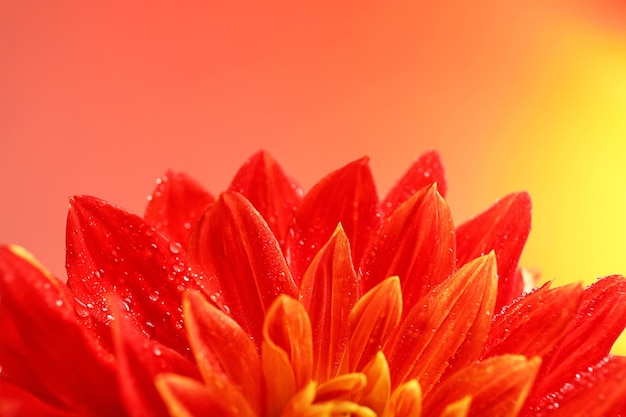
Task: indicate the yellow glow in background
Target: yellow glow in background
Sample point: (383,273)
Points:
(102,99)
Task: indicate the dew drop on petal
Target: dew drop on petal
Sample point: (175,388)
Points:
(175,247)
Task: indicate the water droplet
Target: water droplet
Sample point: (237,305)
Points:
(157,351)
(175,247)
(59,303)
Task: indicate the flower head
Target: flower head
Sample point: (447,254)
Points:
(265,301)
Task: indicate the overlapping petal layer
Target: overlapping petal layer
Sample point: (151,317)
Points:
(331,303)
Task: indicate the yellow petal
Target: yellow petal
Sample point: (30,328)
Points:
(458,408)
(406,401)
(376,392)
(287,352)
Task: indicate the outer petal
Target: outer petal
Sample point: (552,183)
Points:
(234,244)
(498,386)
(598,391)
(372,320)
(140,359)
(287,352)
(329,290)
(110,251)
(504,228)
(264,183)
(186,397)
(223,351)
(599,322)
(447,329)
(176,205)
(43,348)
(533,325)
(347,196)
(426,170)
(15,402)
(415,243)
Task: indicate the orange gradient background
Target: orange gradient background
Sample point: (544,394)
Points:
(101,99)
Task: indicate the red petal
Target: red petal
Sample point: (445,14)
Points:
(503,228)
(43,349)
(140,360)
(234,244)
(264,183)
(498,387)
(176,205)
(447,329)
(426,170)
(598,391)
(186,397)
(533,325)
(372,320)
(415,243)
(14,401)
(347,196)
(287,352)
(599,322)
(329,291)
(110,251)
(223,351)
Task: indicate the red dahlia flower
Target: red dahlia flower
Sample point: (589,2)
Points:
(267,302)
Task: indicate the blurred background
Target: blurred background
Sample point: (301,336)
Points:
(101,98)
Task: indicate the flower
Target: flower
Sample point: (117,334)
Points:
(266,301)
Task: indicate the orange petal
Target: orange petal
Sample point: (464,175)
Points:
(406,401)
(221,348)
(186,397)
(498,386)
(503,228)
(599,322)
(372,320)
(329,290)
(43,347)
(110,251)
(597,391)
(176,205)
(140,359)
(347,196)
(448,328)
(343,387)
(426,170)
(415,243)
(264,183)
(234,244)
(458,408)
(300,402)
(376,392)
(287,352)
(533,325)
